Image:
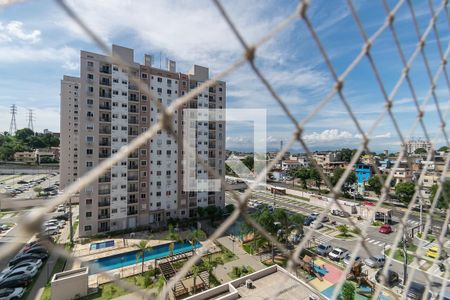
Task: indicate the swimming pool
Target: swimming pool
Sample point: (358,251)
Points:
(101,245)
(130,258)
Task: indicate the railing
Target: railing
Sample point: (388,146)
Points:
(104,203)
(104,192)
(105,70)
(104,143)
(105,120)
(106,107)
(104,179)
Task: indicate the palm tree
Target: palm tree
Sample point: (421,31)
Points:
(196,235)
(142,247)
(171,248)
(209,267)
(195,270)
(160,283)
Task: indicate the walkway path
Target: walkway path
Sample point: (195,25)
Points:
(43,278)
(221,271)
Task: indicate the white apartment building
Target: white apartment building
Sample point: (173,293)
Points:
(146,188)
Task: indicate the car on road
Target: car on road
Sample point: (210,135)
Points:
(12,293)
(314,215)
(375,261)
(338,253)
(324,249)
(308,221)
(415,291)
(16,281)
(50,230)
(348,258)
(389,280)
(316,225)
(385,228)
(433,252)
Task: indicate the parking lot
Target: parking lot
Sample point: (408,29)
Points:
(24,186)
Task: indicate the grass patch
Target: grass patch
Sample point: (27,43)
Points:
(47,294)
(75,226)
(111,290)
(344,236)
(238,272)
(298,197)
(377,223)
(398,255)
(223,256)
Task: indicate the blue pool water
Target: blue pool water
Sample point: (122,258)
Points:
(129,258)
(102,245)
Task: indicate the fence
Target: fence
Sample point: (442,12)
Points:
(249,53)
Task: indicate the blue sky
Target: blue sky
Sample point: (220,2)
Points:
(39,44)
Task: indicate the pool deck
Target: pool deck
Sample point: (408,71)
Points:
(84,253)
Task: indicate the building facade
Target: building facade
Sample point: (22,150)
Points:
(412,145)
(146,188)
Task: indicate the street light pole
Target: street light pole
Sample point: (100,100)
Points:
(405,259)
(70,220)
(420,215)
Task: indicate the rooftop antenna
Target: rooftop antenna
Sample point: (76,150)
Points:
(30,120)
(13,125)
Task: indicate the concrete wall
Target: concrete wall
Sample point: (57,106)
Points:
(70,284)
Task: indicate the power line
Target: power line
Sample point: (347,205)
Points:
(13,125)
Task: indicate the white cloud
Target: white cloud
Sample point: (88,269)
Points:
(14,31)
(386,135)
(328,135)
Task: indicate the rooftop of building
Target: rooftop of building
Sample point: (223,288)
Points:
(265,283)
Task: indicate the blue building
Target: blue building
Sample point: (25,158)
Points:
(363,173)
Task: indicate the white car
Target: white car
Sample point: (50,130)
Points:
(348,258)
(50,230)
(316,225)
(53,223)
(11,293)
(338,254)
(30,270)
(26,263)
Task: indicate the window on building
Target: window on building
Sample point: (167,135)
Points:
(88,214)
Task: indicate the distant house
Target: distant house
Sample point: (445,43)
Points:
(39,156)
(363,173)
(25,157)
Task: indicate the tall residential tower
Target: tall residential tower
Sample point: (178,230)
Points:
(102,111)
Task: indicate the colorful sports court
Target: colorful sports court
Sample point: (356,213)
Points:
(330,276)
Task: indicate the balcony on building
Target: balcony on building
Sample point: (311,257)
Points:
(133,109)
(212,136)
(212,126)
(133,120)
(132,132)
(103,228)
(212,90)
(133,97)
(104,192)
(212,145)
(105,81)
(132,165)
(104,93)
(133,154)
(104,142)
(105,118)
(133,87)
(104,178)
(105,69)
(104,105)
(132,200)
(192,104)
(104,203)
(132,210)
(104,130)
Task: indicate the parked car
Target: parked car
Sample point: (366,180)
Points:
(12,293)
(64,217)
(30,270)
(36,250)
(433,252)
(338,254)
(308,221)
(16,281)
(32,262)
(390,279)
(4,227)
(50,230)
(385,228)
(314,215)
(324,249)
(415,291)
(375,261)
(316,225)
(348,257)
(27,256)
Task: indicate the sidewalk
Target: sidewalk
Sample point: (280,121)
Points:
(43,278)
(221,271)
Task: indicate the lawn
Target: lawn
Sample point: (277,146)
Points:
(47,293)
(223,256)
(111,290)
(399,255)
(238,272)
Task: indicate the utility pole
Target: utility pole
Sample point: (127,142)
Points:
(405,258)
(13,125)
(30,120)
(70,221)
(420,215)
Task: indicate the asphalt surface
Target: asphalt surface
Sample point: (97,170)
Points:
(375,241)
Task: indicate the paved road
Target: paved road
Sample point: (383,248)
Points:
(375,241)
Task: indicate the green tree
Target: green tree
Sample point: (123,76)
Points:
(229,208)
(249,162)
(211,212)
(375,184)
(420,151)
(349,181)
(303,174)
(348,291)
(281,216)
(160,283)
(443,149)
(444,197)
(23,134)
(405,191)
(346,154)
(38,190)
(343,229)
(196,235)
(195,271)
(143,246)
(315,175)
(297,221)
